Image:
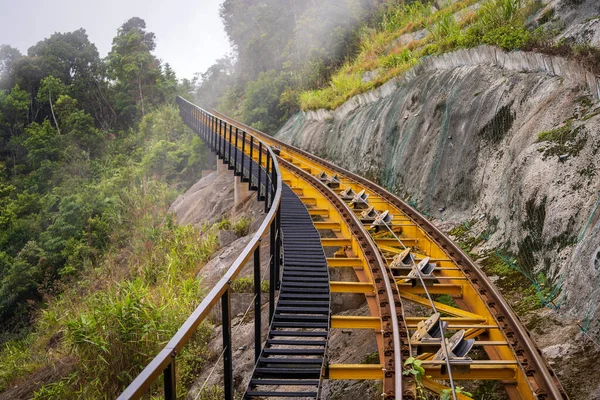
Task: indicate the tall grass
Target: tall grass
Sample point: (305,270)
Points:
(108,324)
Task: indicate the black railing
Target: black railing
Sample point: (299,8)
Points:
(260,169)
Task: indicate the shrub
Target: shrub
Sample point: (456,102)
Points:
(242,226)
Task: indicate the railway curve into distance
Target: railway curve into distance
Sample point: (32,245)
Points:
(403,266)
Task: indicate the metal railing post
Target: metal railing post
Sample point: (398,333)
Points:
(243,154)
(237,134)
(260,149)
(250,163)
(231,161)
(227,353)
(223,136)
(214,134)
(257,304)
(267,178)
(170,383)
(219,131)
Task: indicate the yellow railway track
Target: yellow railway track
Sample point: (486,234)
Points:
(477,307)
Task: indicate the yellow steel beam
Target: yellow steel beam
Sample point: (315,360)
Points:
(475,372)
(402,278)
(311,201)
(351,287)
(437,387)
(319,211)
(344,262)
(453,323)
(475,343)
(355,322)
(437,288)
(457,312)
(336,242)
(327,225)
(390,249)
(388,242)
(355,371)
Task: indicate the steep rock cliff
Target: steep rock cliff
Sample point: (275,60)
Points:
(506,141)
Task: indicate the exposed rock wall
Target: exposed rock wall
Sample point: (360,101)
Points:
(458,135)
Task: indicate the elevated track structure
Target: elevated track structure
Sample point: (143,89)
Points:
(402,264)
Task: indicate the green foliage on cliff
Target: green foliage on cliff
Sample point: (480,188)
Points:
(306,55)
(281,48)
(409,32)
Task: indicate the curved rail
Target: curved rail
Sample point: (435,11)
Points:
(534,370)
(164,362)
(388,300)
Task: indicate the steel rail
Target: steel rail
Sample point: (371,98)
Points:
(376,263)
(523,347)
(163,362)
(430,299)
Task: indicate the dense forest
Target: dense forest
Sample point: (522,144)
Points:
(281,48)
(68,120)
(92,153)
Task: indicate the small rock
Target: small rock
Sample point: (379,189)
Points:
(557,350)
(226,238)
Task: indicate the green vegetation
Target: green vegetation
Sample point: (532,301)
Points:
(348,47)
(413,367)
(497,22)
(524,286)
(565,140)
(241,227)
(446,394)
(372,358)
(246,285)
(95,276)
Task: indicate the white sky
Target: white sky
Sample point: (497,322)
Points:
(189,33)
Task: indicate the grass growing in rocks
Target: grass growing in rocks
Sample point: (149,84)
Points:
(409,32)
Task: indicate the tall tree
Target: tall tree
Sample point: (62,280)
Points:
(134,69)
(8,56)
(73,59)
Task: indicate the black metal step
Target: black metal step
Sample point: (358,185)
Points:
(284,382)
(296,373)
(280,342)
(303,303)
(303,310)
(293,356)
(296,296)
(322,334)
(293,352)
(290,361)
(297,324)
(261,393)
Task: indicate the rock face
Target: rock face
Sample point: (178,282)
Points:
(458,137)
(207,201)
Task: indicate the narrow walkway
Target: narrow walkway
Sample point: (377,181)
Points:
(291,362)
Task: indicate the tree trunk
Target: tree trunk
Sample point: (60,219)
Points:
(141,96)
(52,111)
